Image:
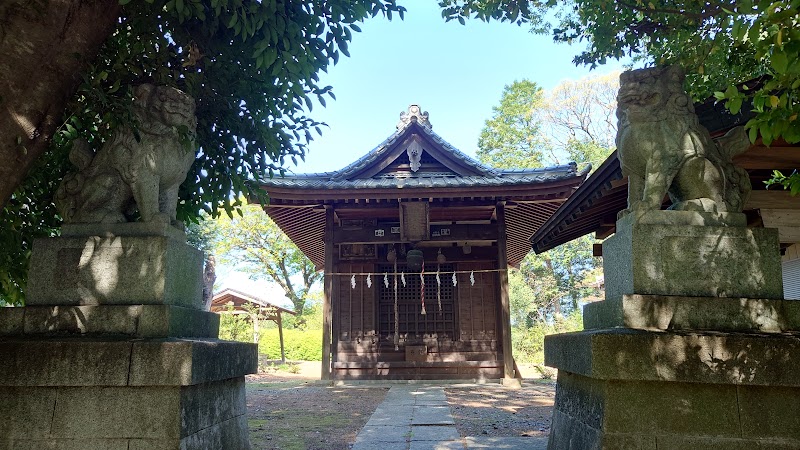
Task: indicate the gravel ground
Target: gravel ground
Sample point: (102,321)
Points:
(491,410)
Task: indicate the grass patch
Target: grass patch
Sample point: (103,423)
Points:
(294,429)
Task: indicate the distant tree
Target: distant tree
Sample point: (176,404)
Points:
(512,136)
(571,121)
(581,118)
(252,243)
(722,44)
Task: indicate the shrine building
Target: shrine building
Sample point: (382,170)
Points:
(415,239)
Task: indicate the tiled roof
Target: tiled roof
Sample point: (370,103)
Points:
(487,176)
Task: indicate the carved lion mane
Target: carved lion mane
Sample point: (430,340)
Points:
(663,149)
(146,168)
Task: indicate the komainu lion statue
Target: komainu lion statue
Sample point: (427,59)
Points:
(147,170)
(663,149)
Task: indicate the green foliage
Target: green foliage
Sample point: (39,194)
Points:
(300,345)
(575,115)
(576,121)
(512,137)
(235,327)
(721,44)
(528,342)
(251,242)
(790,182)
(252,67)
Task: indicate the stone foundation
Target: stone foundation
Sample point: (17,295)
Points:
(693,348)
(113,351)
(626,389)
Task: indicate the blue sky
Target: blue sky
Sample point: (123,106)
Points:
(455,72)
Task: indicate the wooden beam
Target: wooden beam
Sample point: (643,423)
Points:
(280,336)
(786,221)
(605,230)
(772,199)
(502,266)
(776,157)
(327,297)
(382,234)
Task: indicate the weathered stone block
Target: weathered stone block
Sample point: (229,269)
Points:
(90,361)
(65,444)
(63,362)
(623,388)
(677,442)
(11,321)
(169,417)
(117,412)
(646,257)
(665,312)
(32,411)
(190,361)
(128,320)
(208,404)
(121,270)
(694,357)
(770,412)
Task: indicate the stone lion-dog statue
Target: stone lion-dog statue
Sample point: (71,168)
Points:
(663,149)
(144,171)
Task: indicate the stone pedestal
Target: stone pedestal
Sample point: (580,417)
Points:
(114,351)
(693,347)
(693,254)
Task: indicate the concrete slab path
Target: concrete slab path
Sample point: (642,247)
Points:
(417,417)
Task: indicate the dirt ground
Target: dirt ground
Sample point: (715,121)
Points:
(492,410)
(293,410)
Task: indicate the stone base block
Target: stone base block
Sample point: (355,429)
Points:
(671,258)
(629,389)
(87,361)
(86,393)
(204,416)
(144,321)
(664,312)
(120,270)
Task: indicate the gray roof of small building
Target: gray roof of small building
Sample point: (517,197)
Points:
(485,176)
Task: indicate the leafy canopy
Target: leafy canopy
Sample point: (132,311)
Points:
(531,128)
(251,242)
(722,44)
(252,67)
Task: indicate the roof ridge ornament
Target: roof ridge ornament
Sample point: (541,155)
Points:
(416,114)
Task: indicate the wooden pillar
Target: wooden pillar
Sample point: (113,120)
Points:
(505,308)
(328,297)
(280,336)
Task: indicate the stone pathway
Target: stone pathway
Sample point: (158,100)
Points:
(417,417)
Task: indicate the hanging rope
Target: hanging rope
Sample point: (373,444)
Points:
(396,313)
(454,272)
(438,289)
(422,288)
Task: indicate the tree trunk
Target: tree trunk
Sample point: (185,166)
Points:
(39,71)
(557,304)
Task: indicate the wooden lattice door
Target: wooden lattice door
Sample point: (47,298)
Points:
(412,323)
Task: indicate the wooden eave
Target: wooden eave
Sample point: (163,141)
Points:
(594,206)
(301,213)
